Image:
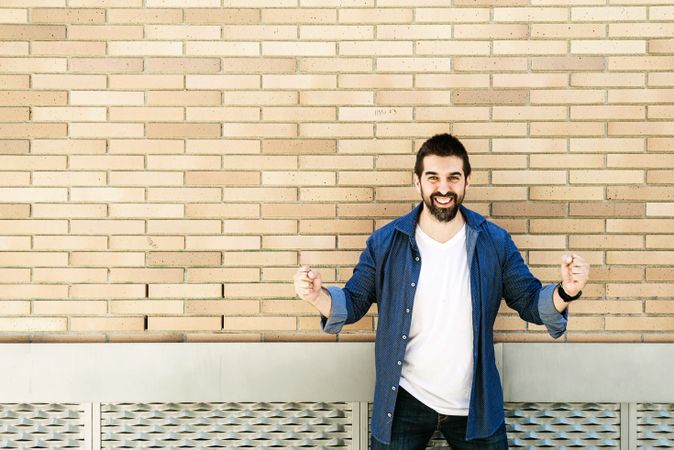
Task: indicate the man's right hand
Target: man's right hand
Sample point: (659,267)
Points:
(308,284)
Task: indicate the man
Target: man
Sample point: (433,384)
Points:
(438,275)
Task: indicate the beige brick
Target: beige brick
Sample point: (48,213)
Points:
(529,209)
(29,291)
(656,193)
(226,307)
(261,130)
(23,32)
(607,79)
(608,112)
(335,65)
(97,323)
(182,65)
(8,15)
(184,291)
(375,178)
(379,146)
(14,147)
(317,226)
(639,323)
(19,179)
(259,194)
(14,48)
(539,145)
(68,275)
(335,130)
(566,193)
(261,98)
(659,144)
(222,210)
(241,259)
(223,146)
(15,308)
(68,211)
(259,323)
(223,242)
(224,114)
(336,98)
(641,96)
(303,178)
(576,96)
(146,307)
(655,241)
(21,227)
(566,225)
(642,128)
(15,81)
(609,14)
(293,307)
(185,98)
(70,243)
(110,194)
(34,259)
(639,226)
(299,48)
(223,81)
(659,273)
(105,32)
(145,178)
(639,257)
(33,324)
(68,48)
(376,15)
(489,129)
(372,210)
(31,130)
(14,211)
(607,145)
(608,47)
(567,128)
(259,290)
(32,64)
(218,48)
(407,193)
(257,64)
(65,114)
(607,209)
(606,176)
(35,98)
(211,178)
(566,161)
(182,32)
(105,259)
(107,291)
(640,62)
(146,82)
(88,130)
(182,130)
(146,210)
(299,146)
(658,79)
(661,112)
(220,273)
(606,241)
(528,177)
(659,307)
(184,259)
(387,130)
(286,273)
(449,81)
(107,226)
(138,15)
(146,275)
(221,16)
(146,114)
(297,210)
(147,242)
(180,226)
(336,194)
(640,160)
(660,176)
(62,146)
(298,242)
(299,114)
(15,243)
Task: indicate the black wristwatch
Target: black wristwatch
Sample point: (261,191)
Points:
(566,297)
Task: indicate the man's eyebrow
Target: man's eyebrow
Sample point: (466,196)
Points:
(430,172)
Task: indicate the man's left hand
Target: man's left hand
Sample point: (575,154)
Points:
(575,273)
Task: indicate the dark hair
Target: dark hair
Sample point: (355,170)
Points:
(442,145)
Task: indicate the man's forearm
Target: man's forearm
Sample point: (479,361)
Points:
(560,305)
(323,302)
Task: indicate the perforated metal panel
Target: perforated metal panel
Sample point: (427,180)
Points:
(655,426)
(563,425)
(48,426)
(226,425)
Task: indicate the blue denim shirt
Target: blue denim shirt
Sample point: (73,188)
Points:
(387,273)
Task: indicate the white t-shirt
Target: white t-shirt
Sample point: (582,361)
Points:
(438,365)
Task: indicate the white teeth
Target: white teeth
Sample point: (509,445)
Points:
(443,201)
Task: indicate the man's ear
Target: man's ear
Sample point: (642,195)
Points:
(467,182)
(417,183)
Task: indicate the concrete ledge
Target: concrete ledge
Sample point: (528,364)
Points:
(330,372)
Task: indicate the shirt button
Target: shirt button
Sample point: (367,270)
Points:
(404,337)
(393,388)
(407,310)
(400,363)
(389,414)
(416,259)
(413,284)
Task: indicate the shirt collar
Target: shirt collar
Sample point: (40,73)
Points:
(408,223)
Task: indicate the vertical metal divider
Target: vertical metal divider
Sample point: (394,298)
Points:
(624,426)
(364,426)
(355,426)
(88,425)
(633,437)
(96,426)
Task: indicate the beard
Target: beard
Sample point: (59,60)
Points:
(443,213)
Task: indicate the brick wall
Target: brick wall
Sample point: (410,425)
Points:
(166,165)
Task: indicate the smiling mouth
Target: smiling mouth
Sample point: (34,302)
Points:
(443,201)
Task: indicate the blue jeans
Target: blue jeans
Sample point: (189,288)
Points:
(415,423)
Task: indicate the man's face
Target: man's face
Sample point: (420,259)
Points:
(442,186)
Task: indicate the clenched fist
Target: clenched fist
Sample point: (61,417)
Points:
(308,284)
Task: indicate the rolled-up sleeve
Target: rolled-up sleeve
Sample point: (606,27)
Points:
(553,320)
(338,312)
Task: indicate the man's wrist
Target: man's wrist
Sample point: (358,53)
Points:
(567,296)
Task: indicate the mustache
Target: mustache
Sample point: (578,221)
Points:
(448,194)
